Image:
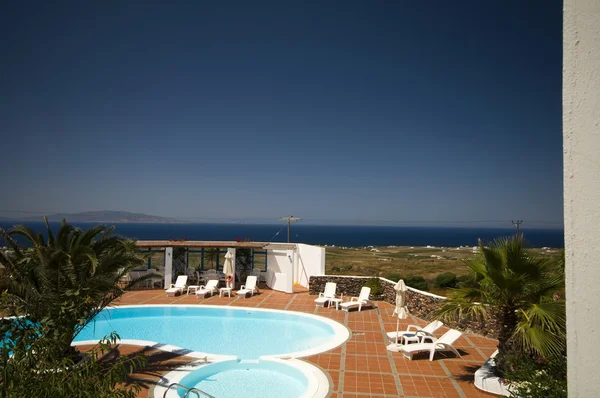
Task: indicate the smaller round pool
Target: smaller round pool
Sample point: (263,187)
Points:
(264,378)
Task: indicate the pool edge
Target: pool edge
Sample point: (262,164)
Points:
(341,334)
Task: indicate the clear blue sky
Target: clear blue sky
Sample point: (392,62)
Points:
(419,112)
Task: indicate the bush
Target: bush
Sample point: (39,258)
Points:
(393,277)
(342,268)
(416,282)
(375,285)
(466,281)
(446,280)
(534,377)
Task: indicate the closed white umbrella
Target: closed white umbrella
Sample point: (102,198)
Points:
(401,310)
(228,268)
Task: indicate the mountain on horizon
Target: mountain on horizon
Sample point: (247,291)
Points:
(104,216)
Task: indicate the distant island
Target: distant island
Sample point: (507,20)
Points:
(105,216)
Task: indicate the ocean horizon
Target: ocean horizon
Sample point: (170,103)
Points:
(331,235)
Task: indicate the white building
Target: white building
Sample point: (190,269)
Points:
(287,264)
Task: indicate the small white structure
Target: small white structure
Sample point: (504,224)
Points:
(288,264)
(293,263)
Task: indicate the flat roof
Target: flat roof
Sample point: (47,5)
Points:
(220,244)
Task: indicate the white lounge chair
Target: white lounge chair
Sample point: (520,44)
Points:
(362,299)
(209,288)
(414,333)
(326,296)
(249,287)
(178,286)
(444,343)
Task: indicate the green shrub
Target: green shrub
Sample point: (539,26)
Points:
(416,282)
(375,285)
(393,277)
(446,280)
(466,281)
(535,376)
(341,268)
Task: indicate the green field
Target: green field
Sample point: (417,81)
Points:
(404,260)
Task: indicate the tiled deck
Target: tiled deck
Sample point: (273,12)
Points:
(361,367)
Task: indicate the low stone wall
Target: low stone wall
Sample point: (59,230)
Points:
(421,304)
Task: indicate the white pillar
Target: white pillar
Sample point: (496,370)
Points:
(581,141)
(168,267)
(289,270)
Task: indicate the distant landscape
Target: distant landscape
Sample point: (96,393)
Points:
(396,262)
(103,216)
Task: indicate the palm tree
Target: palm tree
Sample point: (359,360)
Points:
(62,283)
(519,289)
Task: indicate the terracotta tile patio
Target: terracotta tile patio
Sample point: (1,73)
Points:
(361,367)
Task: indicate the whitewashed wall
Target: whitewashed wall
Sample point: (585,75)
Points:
(280,274)
(310,260)
(581,141)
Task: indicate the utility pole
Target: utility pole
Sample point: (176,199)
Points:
(516,224)
(290,220)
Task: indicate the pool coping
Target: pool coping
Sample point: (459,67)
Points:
(341,334)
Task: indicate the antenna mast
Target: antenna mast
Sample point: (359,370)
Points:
(290,220)
(516,224)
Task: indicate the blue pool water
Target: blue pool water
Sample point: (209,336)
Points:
(263,379)
(246,333)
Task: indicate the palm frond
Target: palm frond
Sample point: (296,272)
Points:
(464,302)
(542,329)
(36,240)
(64,282)
(49,232)
(64,235)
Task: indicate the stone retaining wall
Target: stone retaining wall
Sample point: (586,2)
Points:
(420,304)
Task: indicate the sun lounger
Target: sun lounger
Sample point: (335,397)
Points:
(444,343)
(414,333)
(178,286)
(362,299)
(326,296)
(249,287)
(210,288)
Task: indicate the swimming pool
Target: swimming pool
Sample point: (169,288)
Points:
(246,333)
(238,379)
(262,378)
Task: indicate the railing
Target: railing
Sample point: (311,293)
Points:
(189,390)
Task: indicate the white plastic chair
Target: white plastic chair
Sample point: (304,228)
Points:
(362,299)
(178,286)
(444,343)
(249,287)
(328,294)
(414,333)
(210,288)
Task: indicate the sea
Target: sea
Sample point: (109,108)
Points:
(331,235)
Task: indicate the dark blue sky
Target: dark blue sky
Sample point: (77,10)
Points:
(415,112)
